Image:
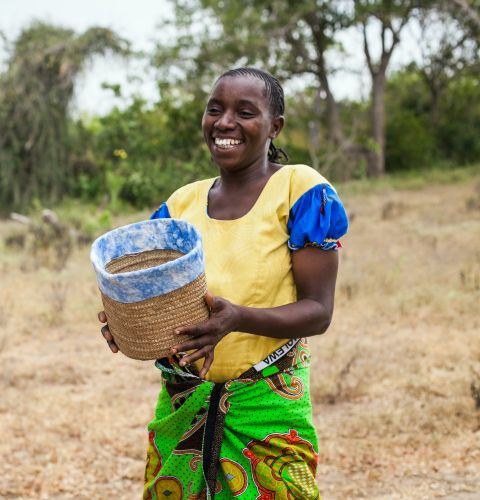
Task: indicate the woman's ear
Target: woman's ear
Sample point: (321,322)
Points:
(277,125)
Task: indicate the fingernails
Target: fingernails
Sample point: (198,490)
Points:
(182,363)
(173,351)
(177,331)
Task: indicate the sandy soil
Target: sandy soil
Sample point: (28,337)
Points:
(391,379)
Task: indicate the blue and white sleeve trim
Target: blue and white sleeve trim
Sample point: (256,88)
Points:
(317,218)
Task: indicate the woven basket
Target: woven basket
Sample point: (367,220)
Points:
(151,277)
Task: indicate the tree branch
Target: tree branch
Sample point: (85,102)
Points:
(469,10)
(366,49)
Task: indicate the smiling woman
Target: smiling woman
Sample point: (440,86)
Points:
(234,415)
(229,114)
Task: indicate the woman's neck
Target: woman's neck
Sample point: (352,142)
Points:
(233,180)
(236,192)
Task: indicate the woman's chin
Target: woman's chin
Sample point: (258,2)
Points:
(226,161)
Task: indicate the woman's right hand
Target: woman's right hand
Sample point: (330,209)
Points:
(106,332)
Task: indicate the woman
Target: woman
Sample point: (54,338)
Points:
(234,418)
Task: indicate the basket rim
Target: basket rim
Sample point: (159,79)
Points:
(138,272)
(130,286)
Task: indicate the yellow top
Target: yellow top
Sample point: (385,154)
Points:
(248,259)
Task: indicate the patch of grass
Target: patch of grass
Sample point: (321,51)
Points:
(411,180)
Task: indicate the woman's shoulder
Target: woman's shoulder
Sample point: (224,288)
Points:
(187,194)
(317,216)
(192,188)
(302,179)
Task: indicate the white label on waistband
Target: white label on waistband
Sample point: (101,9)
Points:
(276,355)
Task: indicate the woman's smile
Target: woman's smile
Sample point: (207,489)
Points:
(227,143)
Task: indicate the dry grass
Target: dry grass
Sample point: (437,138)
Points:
(391,380)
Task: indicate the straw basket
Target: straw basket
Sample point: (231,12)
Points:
(151,277)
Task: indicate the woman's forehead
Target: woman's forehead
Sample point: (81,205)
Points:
(242,88)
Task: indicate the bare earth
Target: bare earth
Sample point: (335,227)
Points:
(391,380)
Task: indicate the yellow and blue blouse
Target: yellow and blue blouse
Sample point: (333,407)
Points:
(248,260)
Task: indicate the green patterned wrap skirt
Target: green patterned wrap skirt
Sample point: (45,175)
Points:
(250,437)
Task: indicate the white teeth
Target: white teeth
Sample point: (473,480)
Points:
(226,143)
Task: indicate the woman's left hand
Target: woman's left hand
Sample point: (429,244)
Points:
(223,319)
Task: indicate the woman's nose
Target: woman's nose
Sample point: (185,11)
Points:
(225,121)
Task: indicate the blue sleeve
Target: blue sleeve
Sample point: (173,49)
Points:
(161,212)
(317,218)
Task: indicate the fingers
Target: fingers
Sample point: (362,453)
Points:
(113,346)
(109,338)
(210,300)
(106,333)
(102,317)
(189,345)
(195,330)
(201,353)
(207,364)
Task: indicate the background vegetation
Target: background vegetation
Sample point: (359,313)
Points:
(395,382)
(426,113)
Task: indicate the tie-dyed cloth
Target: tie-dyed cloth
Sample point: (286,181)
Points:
(251,437)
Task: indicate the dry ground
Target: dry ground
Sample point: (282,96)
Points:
(391,379)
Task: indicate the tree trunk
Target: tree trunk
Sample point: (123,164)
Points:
(434,107)
(314,131)
(378,71)
(376,165)
(333,121)
(335,133)
(318,27)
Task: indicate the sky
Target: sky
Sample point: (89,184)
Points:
(138,21)
(135,20)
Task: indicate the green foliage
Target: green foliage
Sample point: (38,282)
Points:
(409,142)
(146,153)
(410,139)
(138,155)
(415,138)
(459,127)
(35,93)
(96,224)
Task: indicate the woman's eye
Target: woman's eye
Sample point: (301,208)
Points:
(246,114)
(213,111)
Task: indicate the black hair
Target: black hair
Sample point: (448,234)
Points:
(274,92)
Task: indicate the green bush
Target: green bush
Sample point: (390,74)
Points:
(410,143)
(459,128)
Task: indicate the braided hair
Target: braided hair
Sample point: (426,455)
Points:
(274,92)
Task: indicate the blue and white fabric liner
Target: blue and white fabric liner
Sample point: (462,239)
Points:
(135,286)
(317,218)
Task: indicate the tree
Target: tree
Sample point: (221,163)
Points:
(471,9)
(410,140)
(35,93)
(447,51)
(390,16)
(291,39)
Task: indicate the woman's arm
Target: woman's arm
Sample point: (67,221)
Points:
(315,274)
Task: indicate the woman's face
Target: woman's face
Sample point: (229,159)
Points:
(237,123)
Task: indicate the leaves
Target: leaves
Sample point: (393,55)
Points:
(35,94)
